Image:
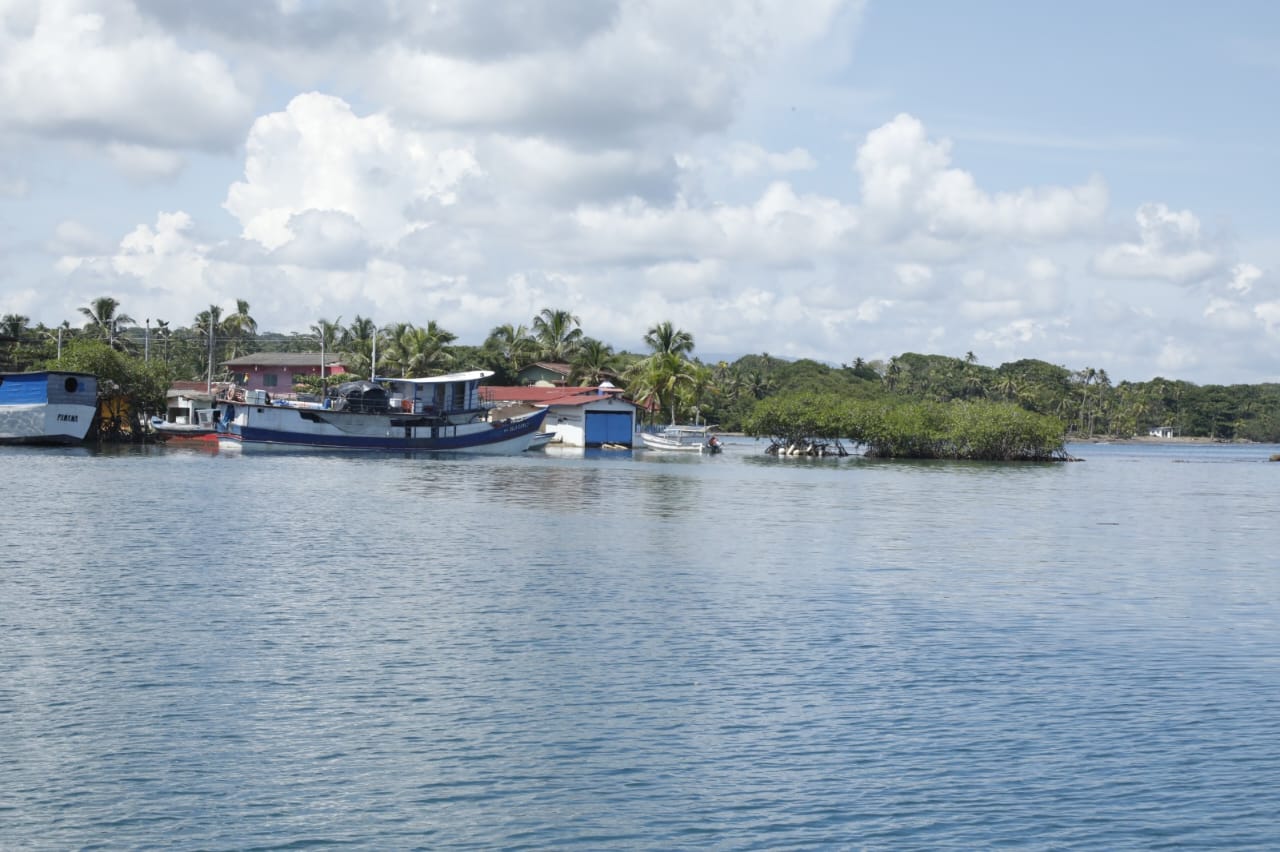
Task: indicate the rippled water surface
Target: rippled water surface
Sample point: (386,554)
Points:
(216,651)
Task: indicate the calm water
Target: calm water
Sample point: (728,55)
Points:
(216,651)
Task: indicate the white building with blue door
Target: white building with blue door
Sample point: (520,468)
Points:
(578,417)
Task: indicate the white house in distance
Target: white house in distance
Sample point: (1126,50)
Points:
(1161,432)
(579,417)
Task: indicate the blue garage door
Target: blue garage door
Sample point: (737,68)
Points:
(608,427)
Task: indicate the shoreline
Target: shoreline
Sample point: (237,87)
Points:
(1148,439)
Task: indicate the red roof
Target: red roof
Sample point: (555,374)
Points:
(544,395)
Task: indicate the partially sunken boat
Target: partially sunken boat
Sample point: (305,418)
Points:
(437,414)
(46,407)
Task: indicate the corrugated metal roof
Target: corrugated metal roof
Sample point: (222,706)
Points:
(283,359)
(547,396)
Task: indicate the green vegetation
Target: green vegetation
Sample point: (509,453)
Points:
(669,381)
(976,429)
(131,389)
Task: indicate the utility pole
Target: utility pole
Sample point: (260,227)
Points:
(146,346)
(208,385)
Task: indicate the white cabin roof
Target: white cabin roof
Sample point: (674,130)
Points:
(469,376)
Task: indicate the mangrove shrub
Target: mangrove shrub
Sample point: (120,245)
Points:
(974,429)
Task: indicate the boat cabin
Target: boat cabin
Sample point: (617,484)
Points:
(452,394)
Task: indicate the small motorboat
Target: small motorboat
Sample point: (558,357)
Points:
(682,439)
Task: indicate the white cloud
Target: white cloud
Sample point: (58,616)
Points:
(1243,277)
(1269,314)
(1229,315)
(1176,357)
(870,310)
(324,239)
(75,238)
(652,66)
(144,163)
(318,155)
(913,278)
(909,188)
(1011,335)
(744,159)
(1169,248)
(94,70)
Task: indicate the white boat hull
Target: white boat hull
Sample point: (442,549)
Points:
(46,407)
(45,423)
(293,428)
(657,442)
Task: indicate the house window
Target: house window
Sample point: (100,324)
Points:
(269,380)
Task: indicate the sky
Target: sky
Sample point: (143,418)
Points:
(1092,184)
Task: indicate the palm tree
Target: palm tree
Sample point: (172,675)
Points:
(592,363)
(973,385)
(660,378)
(511,347)
(102,315)
(13,325)
(728,380)
(359,337)
(390,356)
(1007,386)
(237,327)
(361,330)
(414,351)
(893,373)
(558,334)
(758,384)
(667,339)
(425,350)
(331,335)
(208,322)
(701,385)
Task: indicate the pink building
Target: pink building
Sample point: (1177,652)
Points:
(274,371)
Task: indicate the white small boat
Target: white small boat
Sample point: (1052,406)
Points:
(682,439)
(540,439)
(185,419)
(46,407)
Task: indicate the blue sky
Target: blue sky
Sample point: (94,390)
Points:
(1085,183)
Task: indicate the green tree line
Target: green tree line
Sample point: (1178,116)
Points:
(666,378)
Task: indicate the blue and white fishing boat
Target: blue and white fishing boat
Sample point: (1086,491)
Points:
(436,414)
(46,407)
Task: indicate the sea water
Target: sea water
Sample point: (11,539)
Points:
(203,650)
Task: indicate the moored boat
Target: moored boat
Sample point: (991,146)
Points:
(46,407)
(436,414)
(539,440)
(189,416)
(682,439)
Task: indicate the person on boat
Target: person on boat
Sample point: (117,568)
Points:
(713,443)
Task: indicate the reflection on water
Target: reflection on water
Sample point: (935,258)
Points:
(631,649)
